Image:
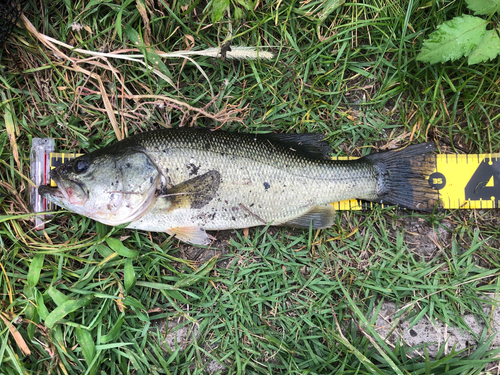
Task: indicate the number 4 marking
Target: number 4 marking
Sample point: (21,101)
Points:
(485,182)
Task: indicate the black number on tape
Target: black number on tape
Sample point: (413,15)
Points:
(437,181)
(485,182)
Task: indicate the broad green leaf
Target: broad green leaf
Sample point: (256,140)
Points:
(132,302)
(134,36)
(58,336)
(219,7)
(137,307)
(153,59)
(327,8)
(102,229)
(117,246)
(118,24)
(87,344)
(30,309)
(485,7)
(104,250)
(453,39)
(129,275)
(199,274)
(156,62)
(58,297)
(168,289)
(238,13)
(487,49)
(114,331)
(246,4)
(35,269)
(67,307)
(40,305)
(47,121)
(93,3)
(30,330)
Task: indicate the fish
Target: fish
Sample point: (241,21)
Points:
(188,181)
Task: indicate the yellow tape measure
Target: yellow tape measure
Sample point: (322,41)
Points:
(59,158)
(463,181)
(467,181)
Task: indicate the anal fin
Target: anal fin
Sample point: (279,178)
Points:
(319,217)
(194,235)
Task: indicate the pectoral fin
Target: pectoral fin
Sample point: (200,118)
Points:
(319,216)
(194,193)
(194,235)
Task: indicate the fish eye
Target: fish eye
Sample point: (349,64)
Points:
(81,165)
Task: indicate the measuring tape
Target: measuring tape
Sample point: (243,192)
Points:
(462,181)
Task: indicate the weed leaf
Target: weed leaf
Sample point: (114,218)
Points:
(35,269)
(118,25)
(218,9)
(58,297)
(67,307)
(104,250)
(114,331)
(198,275)
(453,39)
(129,275)
(119,248)
(487,49)
(152,58)
(42,310)
(328,7)
(93,3)
(87,344)
(485,7)
(238,13)
(245,3)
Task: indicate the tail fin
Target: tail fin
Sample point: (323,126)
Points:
(403,177)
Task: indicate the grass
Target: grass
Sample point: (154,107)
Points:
(87,298)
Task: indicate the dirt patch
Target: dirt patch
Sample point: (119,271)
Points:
(433,335)
(178,334)
(424,239)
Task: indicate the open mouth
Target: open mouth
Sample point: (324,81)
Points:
(52,191)
(66,192)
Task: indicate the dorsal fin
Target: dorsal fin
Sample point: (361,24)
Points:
(311,145)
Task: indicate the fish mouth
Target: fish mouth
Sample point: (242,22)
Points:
(64,191)
(51,191)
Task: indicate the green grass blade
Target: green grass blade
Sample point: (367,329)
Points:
(65,308)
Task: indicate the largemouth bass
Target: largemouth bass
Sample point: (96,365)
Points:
(187,181)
